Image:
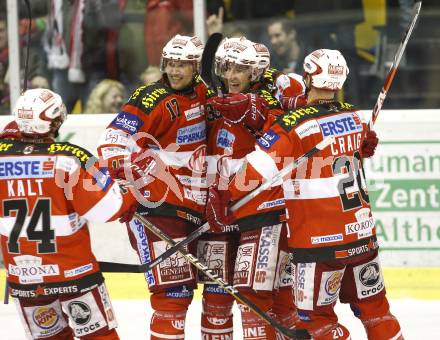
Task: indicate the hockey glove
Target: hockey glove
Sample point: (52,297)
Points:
(217,212)
(135,171)
(236,108)
(288,103)
(369,144)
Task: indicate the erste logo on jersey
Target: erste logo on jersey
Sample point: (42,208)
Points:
(191,134)
(225,139)
(127,122)
(340,125)
(27,167)
(268,139)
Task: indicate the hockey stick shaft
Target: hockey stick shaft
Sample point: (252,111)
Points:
(291,333)
(283,172)
(205,227)
(6,297)
(208,56)
(393,69)
(112,267)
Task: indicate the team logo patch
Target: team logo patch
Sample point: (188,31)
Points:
(243,263)
(340,125)
(197,162)
(175,268)
(27,167)
(212,254)
(127,122)
(178,292)
(271,204)
(80,312)
(369,275)
(191,134)
(326,238)
(194,112)
(329,287)
(308,128)
(333,283)
(144,250)
(45,317)
(364,225)
(304,285)
(369,279)
(225,139)
(103,179)
(268,139)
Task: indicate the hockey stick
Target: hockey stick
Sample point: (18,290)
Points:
(208,56)
(6,297)
(131,268)
(393,69)
(290,333)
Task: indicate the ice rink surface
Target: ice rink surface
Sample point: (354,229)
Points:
(420,320)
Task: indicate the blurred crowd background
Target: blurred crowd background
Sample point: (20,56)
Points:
(94,53)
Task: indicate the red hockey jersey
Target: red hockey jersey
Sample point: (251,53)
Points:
(171,125)
(329,213)
(49,192)
(235,141)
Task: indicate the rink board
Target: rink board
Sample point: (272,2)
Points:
(403,181)
(401,283)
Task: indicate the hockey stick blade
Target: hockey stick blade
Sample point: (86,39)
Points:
(208,56)
(291,333)
(393,69)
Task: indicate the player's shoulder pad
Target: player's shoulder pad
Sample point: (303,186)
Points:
(210,93)
(271,74)
(16,147)
(271,101)
(147,97)
(294,117)
(85,157)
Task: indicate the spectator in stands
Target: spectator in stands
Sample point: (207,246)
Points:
(286,52)
(331,25)
(150,75)
(166,18)
(106,97)
(76,42)
(37,71)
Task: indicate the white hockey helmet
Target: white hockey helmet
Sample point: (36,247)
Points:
(242,51)
(227,46)
(37,109)
(327,68)
(182,47)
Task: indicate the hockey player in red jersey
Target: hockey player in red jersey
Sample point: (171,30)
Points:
(10,131)
(289,89)
(332,231)
(166,120)
(49,192)
(262,262)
